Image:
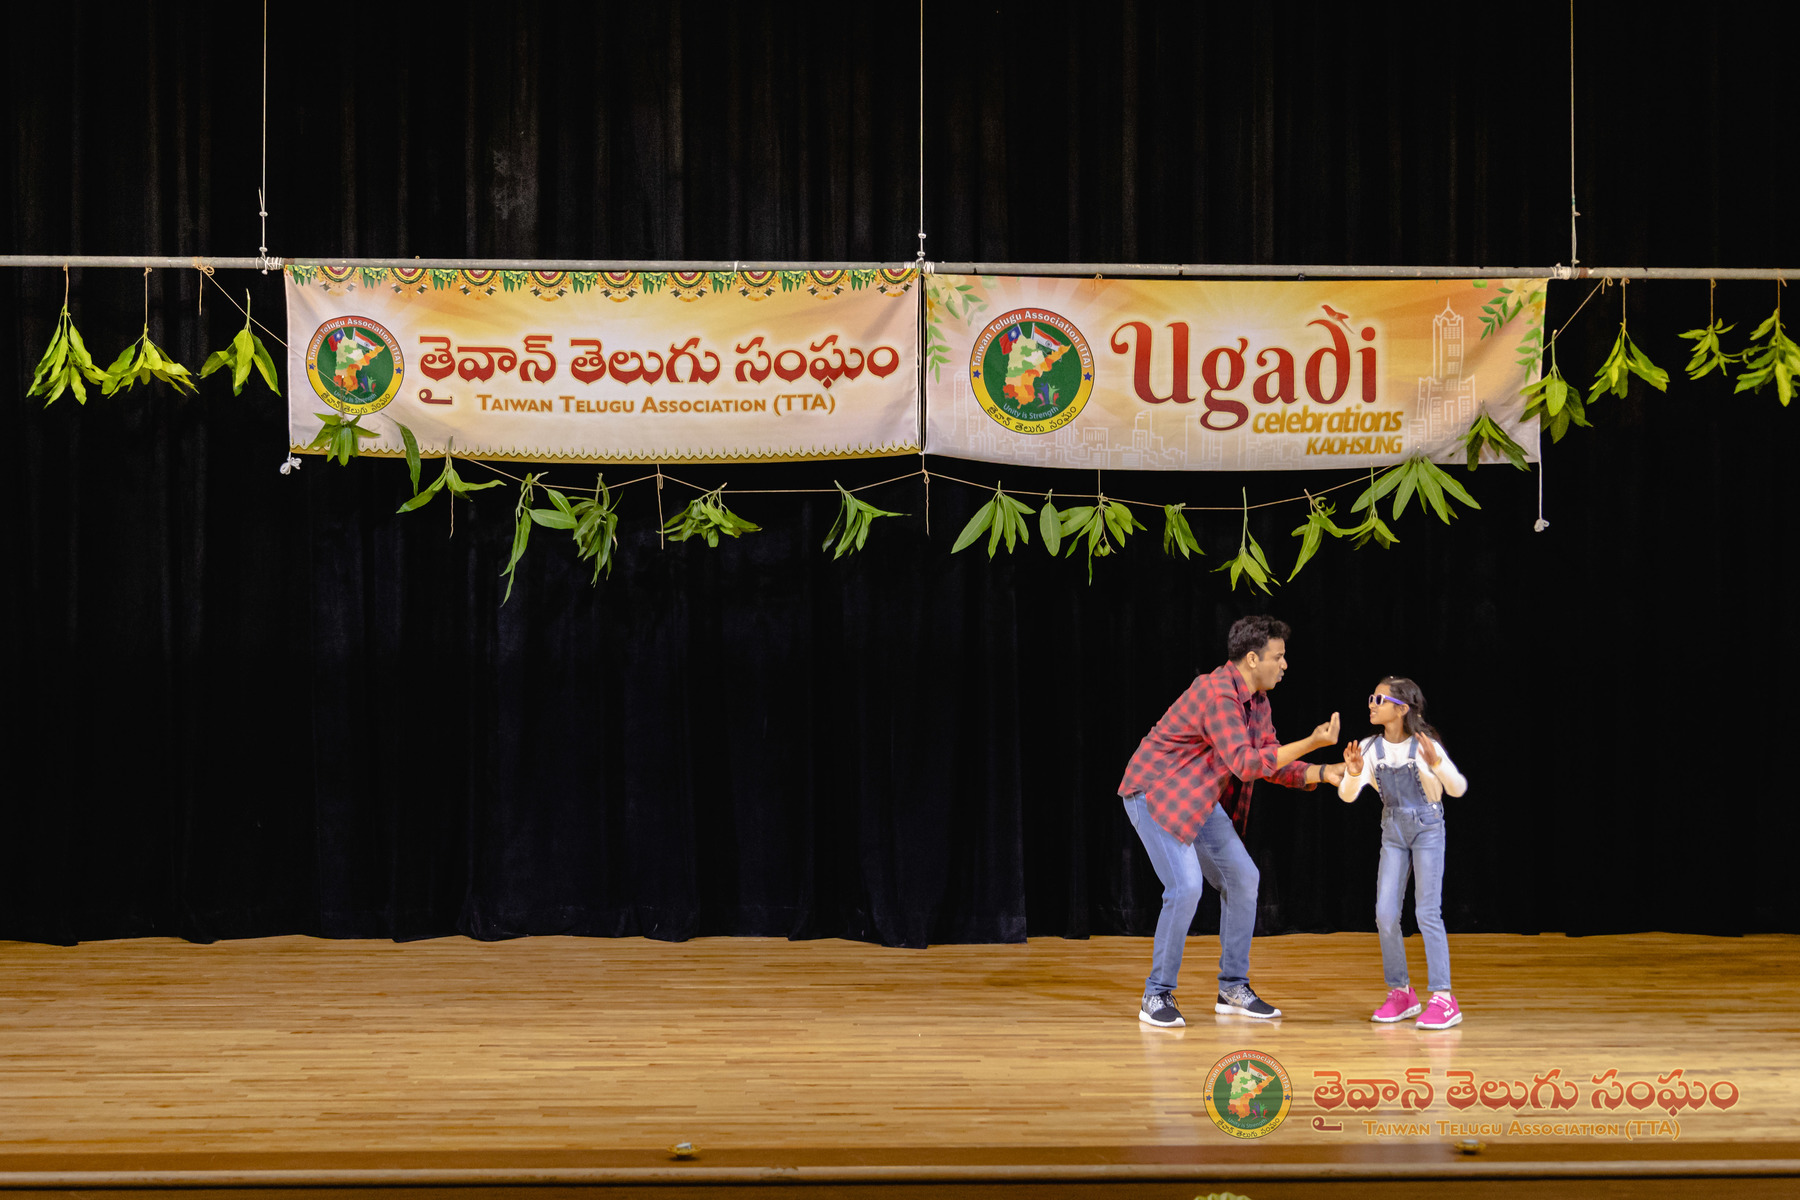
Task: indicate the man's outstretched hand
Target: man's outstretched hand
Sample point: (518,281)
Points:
(1326,734)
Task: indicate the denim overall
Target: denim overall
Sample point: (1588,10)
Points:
(1412,839)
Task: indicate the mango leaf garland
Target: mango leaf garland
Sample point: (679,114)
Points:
(1249,562)
(1554,402)
(1003,519)
(851,529)
(1487,432)
(66,365)
(1312,533)
(1771,356)
(1622,362)
(141,362)
(447,481)
(707,517)
(1709,353)
(1096,525)
(1177,533)
(245,352)
(338,437)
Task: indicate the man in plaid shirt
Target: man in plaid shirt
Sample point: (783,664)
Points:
(1187,792)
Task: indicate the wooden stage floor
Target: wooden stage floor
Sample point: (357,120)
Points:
(570,1062)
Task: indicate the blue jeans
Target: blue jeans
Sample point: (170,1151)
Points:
(1412,839)
(1217,856)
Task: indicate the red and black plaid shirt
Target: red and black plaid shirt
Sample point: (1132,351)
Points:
(1213,744)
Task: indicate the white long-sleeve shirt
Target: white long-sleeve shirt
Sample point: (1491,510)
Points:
(1444,779)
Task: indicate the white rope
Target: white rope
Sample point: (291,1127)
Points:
(1574,258)
(1540,524)
(922,130)
(262,191)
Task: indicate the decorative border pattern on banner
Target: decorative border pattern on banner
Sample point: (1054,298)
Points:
(614,285)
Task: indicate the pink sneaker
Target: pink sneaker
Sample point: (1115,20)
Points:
(1441,1013)
(1401,1004)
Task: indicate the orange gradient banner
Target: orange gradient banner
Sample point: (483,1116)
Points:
(1202,375)
(608,367)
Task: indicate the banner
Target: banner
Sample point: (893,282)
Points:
(1184,375)
(582,366)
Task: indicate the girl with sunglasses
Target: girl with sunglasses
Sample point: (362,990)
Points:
(1411,772)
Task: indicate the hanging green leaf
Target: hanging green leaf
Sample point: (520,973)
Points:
(1554,402)
(1177,533)
(596,529)
(1249,562)
(141,362)
(707,517)
(978,525)
(1487,432)
(1312,532)
(1379,486)
(1002,518)
(1437,488)
(447,481)
(1709,353)
(245,352)
(593,523)
(66,365)
(412,455)
(562,516)
(1097,525)
(1050,525)
(522,521)
(1771,355)
(1372,529)
(339,437)
(1622,362)
(851,529)
(1418,474)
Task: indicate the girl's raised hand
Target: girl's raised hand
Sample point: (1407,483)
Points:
(1428,752)
(1353,759)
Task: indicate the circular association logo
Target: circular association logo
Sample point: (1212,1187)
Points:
(1247,1094)
(354,364)
(1031,370)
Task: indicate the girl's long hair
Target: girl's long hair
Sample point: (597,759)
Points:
(1409,694)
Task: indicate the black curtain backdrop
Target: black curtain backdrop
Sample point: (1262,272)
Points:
(242,704)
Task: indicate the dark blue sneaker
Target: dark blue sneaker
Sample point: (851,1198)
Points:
(1159,1010)
(1240,1001)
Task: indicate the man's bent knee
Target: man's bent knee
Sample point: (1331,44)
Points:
(1184,894)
